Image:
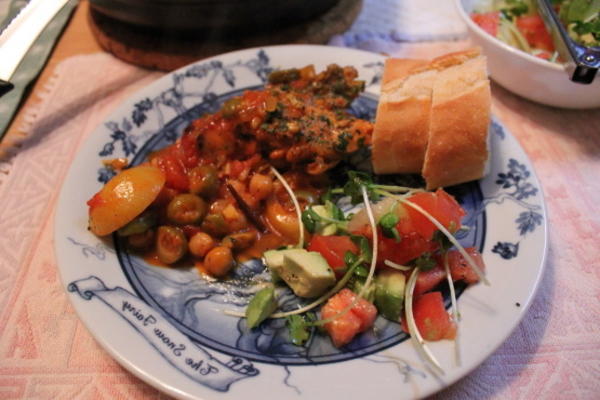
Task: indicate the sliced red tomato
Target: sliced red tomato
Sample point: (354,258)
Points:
(460,269)
(347,325)
(428,280)
(333,249)
(411,246)
(534,30)
(441,206)
(432,320)
(488,21)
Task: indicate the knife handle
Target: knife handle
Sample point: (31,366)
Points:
(5,87)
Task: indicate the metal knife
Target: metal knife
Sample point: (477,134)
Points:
(20,34)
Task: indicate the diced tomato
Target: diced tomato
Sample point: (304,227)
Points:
(544,55)
(189,153)
(173,169)
(411,246)
(460,269)
(96,201)
(428,280)
(487,21)
(347,325)
(333,249)
(534,30)
(236,168)
(443,207)
(416,231)
(432,320)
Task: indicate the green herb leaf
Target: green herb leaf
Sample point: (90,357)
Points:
(309,220)
(350,259)
(363,245)
(261,306)
(425,262)
(298,329)
(578,10)
(327,196)
(356,180)
(335,212)
(445,243)
(361,272)
(388,224)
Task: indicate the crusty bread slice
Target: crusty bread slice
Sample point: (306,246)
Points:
(459,119)
(402,123)
(397,69)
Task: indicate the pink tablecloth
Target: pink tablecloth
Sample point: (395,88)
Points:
(46,353)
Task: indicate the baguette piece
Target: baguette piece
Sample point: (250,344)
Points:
(402,123)
(459,119)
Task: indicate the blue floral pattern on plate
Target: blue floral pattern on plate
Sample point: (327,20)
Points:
(171,308)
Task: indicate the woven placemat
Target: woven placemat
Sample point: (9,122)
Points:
(157,50)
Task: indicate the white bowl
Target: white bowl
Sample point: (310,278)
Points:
(528,76)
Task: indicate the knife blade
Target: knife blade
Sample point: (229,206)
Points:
(20,34)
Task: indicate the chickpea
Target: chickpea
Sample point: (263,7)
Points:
(200,244)
(261,186)
(234,218)
(239,241)
(218,261)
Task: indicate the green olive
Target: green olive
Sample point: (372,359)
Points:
(204,180)
(231,107)
(215,225)
(139,225)
(142,240)
(186,209)
(171,244)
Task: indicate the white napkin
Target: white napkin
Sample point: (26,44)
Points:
(382,23)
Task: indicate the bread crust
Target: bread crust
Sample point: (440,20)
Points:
(460,114)
(402,123)
(433,118)
(397,69)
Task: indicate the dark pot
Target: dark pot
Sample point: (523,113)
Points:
(221,15)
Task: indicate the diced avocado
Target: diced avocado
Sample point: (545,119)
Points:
(389,293)
(273,259)
(306,272)
(324,229)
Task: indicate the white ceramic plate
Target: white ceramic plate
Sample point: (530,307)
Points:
(165,325)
